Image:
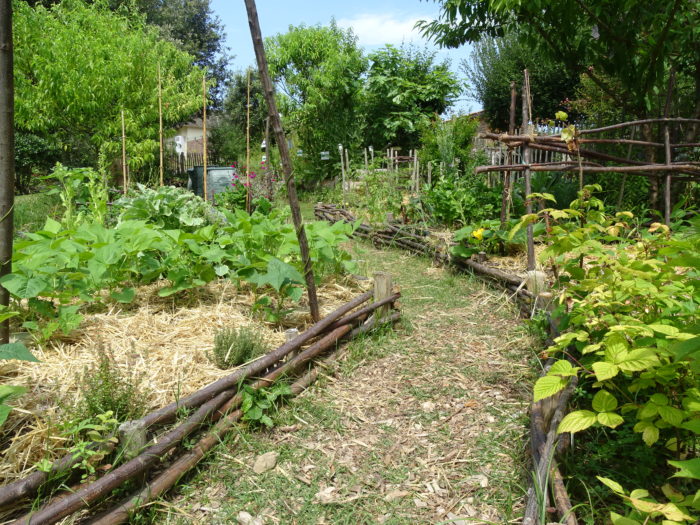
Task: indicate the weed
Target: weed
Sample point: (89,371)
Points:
(233,347)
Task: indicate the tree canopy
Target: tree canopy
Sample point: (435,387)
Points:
(634,42)
(318,70)
(496,62)
(405,88)
(78,65)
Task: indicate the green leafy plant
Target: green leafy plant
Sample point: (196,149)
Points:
(487,236)
(88,437)
(234,346)
(12,351)
(257,404)
(168,207)
(106,388)
(632,320)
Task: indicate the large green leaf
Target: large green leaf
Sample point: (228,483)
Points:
(548,386)
(604,401)
(16,351)
(604,370)
(125,296)
(10,391)
(687,469)
(4,412)
(577,421)
(22,286)
(610,419)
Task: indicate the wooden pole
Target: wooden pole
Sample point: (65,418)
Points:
(7,154)
(526,161)
(430,174)
(342,170)
(505,197)
(204,136)
(366,162)
(347,162)
(382,289)
(269,92)
(248,204)
(268,160)
(160,123)
(667,148)
(125,172)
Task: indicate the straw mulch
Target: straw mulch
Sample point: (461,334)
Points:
(156,339)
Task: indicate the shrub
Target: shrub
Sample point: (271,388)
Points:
(233,347)
(105,387)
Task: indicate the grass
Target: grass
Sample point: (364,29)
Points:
(405,433)
(31,211)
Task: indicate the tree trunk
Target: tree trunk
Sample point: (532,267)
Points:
(7,154)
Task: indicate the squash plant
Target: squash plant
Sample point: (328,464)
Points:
(630,304)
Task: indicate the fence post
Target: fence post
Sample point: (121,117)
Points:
(382,289)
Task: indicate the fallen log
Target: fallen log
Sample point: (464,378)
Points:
(490,272)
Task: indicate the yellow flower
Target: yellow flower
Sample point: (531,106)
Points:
(478,234)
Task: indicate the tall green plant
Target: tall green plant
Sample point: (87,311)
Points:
(78,64)
(632,317)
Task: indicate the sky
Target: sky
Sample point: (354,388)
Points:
(375,23)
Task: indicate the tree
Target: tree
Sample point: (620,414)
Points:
(191,24)
(319,73)
(197,31)
(404,90)
(496,62)
(228,131)
(77,66)
(636,42)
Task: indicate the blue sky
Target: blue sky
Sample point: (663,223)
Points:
(376,23)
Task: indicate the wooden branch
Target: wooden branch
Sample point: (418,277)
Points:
(639,123)
(7,155)
(276,122)
(690,169)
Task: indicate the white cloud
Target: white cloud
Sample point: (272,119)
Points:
(379,29)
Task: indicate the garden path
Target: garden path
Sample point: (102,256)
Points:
(425,424)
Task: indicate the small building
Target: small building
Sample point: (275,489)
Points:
(188,138)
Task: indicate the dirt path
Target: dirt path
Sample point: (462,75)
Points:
(423,425)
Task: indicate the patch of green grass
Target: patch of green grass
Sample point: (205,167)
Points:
(31,211)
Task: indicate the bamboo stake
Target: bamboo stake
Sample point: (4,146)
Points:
(160,123)
(526,162)
(247,151)
(125,174)
(342,170)
(7,155)
(347,162)
(269,92)
(204,136)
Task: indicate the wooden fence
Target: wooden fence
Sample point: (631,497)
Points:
(180,163)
